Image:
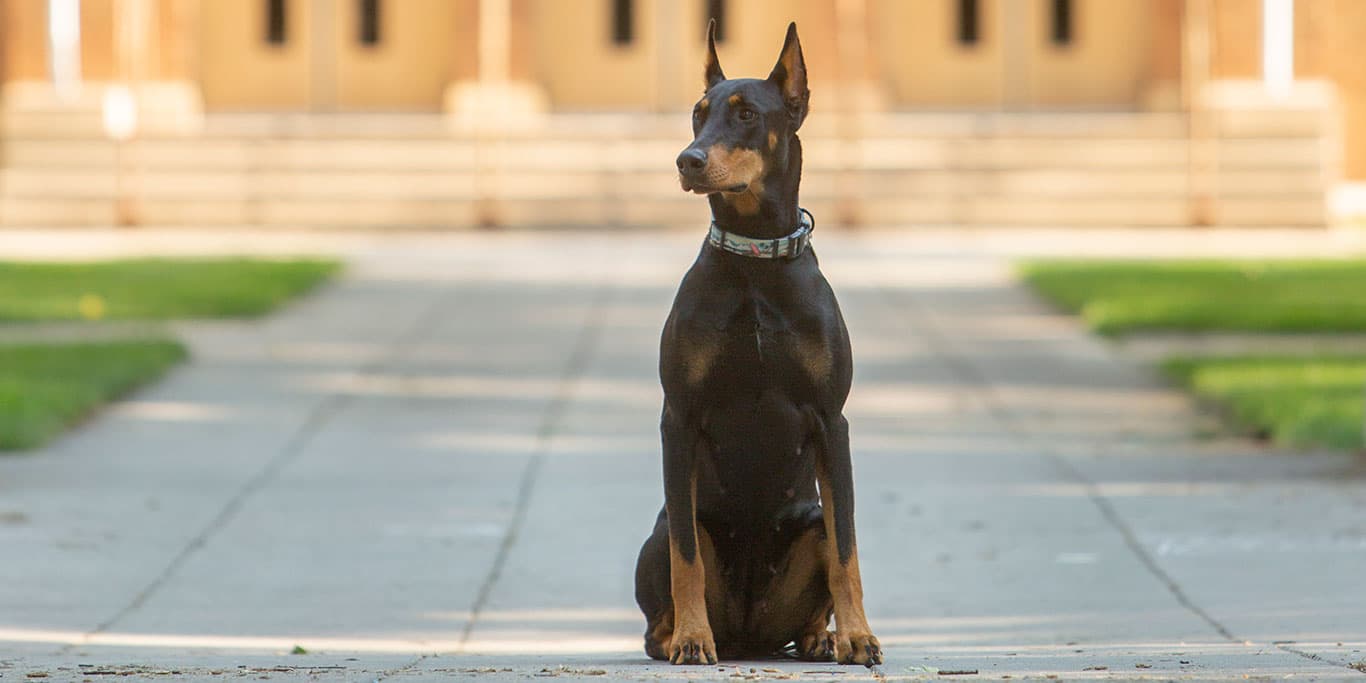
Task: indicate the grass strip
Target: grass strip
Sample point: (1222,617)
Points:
(1317,401)
(44,388)
(1115,297)
(154,289)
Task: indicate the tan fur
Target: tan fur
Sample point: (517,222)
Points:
(852,635)
(784,602)
(816,360)
(698,362)
(728,167)
(733,100)
(746,203)
(772,141)
(688,588)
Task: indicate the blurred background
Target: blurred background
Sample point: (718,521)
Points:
(520,113)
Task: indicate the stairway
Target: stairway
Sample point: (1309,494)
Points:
(615,171)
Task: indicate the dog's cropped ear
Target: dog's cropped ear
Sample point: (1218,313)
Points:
(789,74)
(714,73)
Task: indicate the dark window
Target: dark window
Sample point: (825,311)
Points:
(969,29)
(369,22)
(716,9)
(623,21)
(1062,22)
(275,22)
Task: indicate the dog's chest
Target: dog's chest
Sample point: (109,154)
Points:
(758,344)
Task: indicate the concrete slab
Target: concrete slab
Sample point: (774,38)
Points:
(443,466)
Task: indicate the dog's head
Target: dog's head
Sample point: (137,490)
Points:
(744,128)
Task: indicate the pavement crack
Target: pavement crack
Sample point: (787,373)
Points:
(903,301)
(313,423)
(585,347)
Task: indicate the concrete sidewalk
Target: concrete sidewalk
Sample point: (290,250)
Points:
(443,465)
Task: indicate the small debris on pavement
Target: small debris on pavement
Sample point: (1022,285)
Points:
(1143,666)
(1096,668)
(958,672)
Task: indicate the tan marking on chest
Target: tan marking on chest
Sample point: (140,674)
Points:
(816,360)
(772,141)
(698,361)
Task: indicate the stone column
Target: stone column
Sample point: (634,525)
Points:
(493,99)
(1278,46)
(1198,49)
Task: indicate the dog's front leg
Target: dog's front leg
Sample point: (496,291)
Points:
(854,641)
(692,641)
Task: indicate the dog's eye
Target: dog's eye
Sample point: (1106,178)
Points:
(746,114)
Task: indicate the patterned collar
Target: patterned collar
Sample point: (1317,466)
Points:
(789,247)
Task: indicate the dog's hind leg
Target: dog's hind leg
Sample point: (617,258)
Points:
(652,590)
(796,606)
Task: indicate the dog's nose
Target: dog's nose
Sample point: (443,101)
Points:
(692,161)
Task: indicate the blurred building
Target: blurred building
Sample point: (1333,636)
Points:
(1219,91)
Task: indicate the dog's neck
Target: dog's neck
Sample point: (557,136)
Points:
(776,215)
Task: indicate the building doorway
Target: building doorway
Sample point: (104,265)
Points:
(327,55)
(1015,54)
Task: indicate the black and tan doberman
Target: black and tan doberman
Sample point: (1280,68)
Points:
(754,549)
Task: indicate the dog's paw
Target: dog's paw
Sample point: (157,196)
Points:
(692,648)
(858,648)
(818,646)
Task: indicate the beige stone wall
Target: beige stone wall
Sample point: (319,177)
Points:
(910,52)
(1015,65)
(1340,33)
(24,42)
(1096,69)
(408,69)
(1236,40)
(238,69)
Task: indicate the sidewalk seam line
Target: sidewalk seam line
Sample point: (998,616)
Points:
(311,425)
(982,386)
(585,348)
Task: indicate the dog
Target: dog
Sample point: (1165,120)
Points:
(749,556)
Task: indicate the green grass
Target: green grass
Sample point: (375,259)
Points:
(1304,401)
(1253,296)
(46,387)
(154,288)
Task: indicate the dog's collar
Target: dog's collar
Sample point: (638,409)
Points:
(790,246)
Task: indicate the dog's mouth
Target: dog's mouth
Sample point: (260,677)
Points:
(702,188)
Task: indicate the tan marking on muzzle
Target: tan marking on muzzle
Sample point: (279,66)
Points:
(728,167)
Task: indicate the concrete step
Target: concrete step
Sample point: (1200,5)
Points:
(65,123)
(354,170)
(27,182)
(645,212)
(637,155)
